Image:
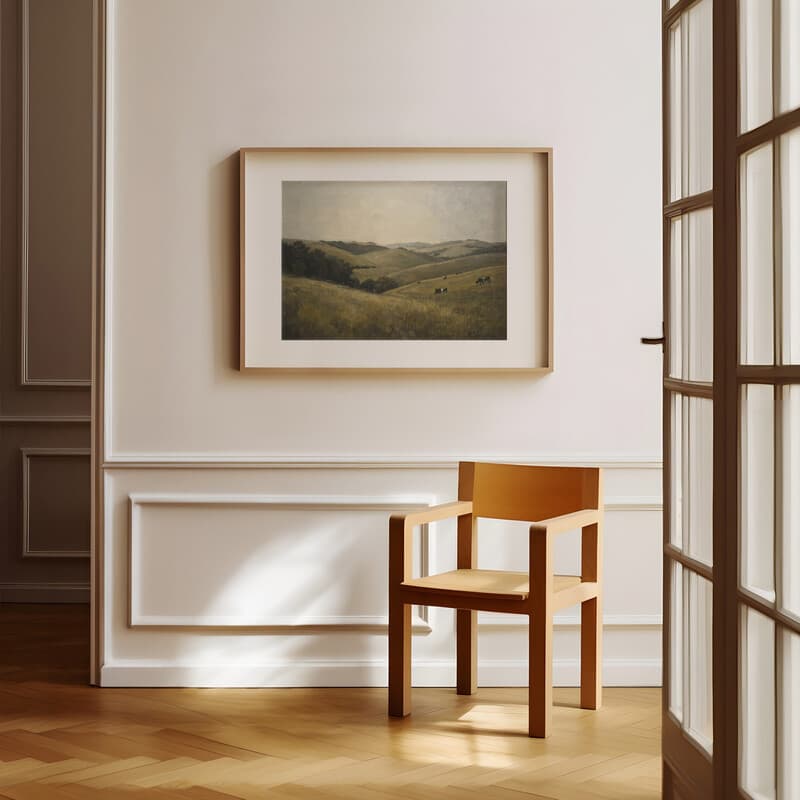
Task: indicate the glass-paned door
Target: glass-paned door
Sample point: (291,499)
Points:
(767,593)
(732,399)
(688,398)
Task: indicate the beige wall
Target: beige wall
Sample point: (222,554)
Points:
(45,292)
(255,495)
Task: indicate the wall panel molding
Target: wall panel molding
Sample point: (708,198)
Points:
(44,592)
(276,503)
(209,461)
(26,380)
(26,419)
(653,503)
(27,454)
(339,503)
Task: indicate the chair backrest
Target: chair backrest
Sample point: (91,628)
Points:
(528,493)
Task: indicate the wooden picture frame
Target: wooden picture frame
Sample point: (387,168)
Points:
(355,210)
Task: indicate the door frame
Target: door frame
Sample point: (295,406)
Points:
(99,239)
(726,470)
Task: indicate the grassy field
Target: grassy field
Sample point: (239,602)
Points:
(461,287)
(449,267)
(315,309)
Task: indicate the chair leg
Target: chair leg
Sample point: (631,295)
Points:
(399,659)
(591,653)
(466,652)
(540,673)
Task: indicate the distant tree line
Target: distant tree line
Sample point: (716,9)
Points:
(300,260)
(378,286)
(304,262)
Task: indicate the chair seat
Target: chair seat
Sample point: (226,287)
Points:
(486,583)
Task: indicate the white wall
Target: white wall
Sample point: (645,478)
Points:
(191,82)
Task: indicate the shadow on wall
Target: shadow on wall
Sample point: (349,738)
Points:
(223,261)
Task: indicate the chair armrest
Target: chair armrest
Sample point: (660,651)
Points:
(567,522)
(401,527)
(540,551)
(459,508)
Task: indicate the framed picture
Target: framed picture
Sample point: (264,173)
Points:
(396,259)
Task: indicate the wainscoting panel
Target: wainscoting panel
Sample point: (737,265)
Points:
(44,505)
(231,576)
(273,571)
(56,88)
(55,502)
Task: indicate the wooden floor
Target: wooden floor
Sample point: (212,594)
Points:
(62,740)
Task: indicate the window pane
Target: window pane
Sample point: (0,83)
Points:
(789,56)
(676,112)
(691,296)
(700,479)
(755,63)
(790,563)
(758,482)
(699,325)
(676,262)
(699,104)
(757,257)
(678,433)
(757,764)
(790,240)
(690,85)
(676,641)
(700,722)
(789,722)
(691,480)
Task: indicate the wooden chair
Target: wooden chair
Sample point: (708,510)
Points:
(555,500)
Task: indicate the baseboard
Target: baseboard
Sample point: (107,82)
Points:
(44,593)
(616,672)
(566,672)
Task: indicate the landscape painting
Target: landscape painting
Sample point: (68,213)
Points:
(393,260)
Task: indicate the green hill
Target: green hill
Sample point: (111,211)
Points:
(457,249)
(377,257)
(356,248)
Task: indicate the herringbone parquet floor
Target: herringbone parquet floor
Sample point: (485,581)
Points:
(62,740)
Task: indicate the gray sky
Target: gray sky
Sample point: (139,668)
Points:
(388,212)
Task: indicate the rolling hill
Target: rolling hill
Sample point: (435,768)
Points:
(369,256)
(449,267)
(455,249)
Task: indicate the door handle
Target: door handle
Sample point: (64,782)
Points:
(654,339)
